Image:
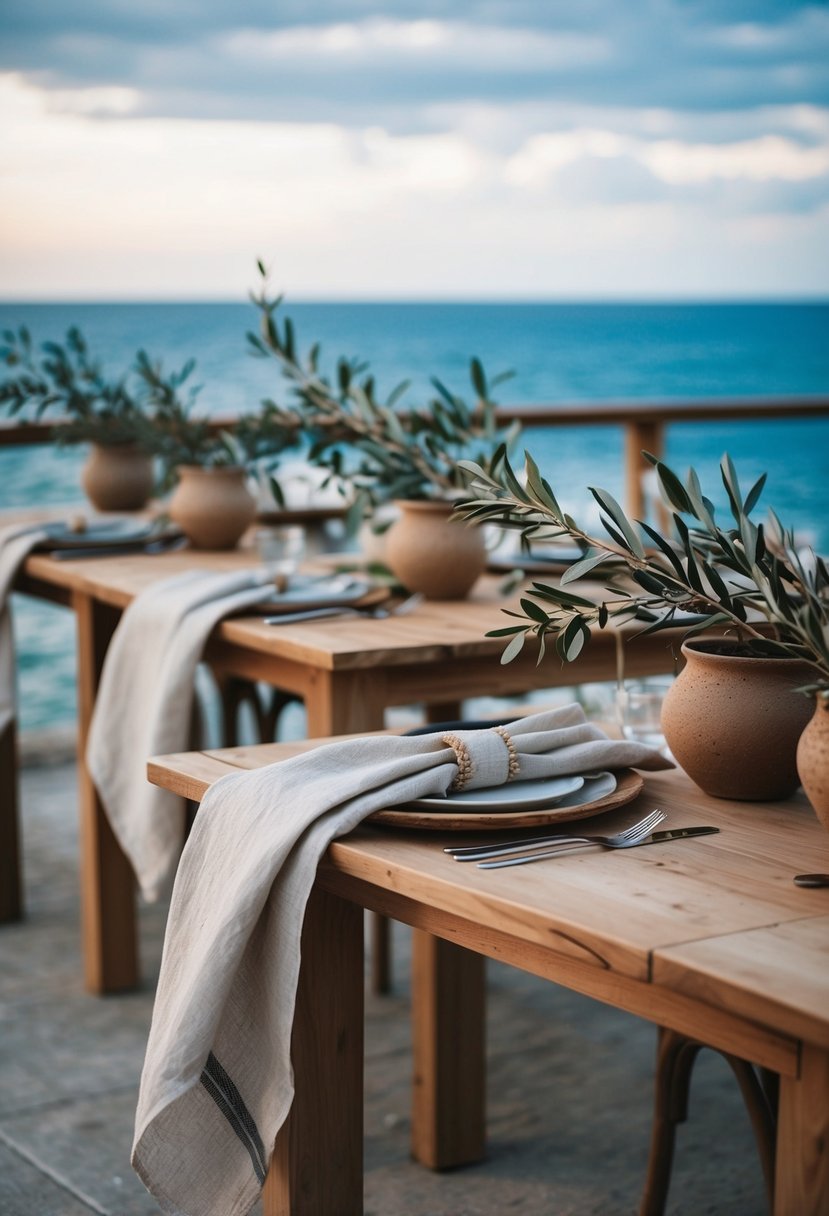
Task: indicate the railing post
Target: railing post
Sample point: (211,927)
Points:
(641,435)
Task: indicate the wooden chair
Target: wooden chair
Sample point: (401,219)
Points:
(675,1057)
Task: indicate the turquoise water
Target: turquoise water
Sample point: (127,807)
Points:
(559,352)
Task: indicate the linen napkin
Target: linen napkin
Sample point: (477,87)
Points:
(217,1081)
(16,543)
(144,704)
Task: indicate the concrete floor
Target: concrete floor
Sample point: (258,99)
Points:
(569,1081)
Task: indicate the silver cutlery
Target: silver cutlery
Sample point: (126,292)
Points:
(477,852)
(637,842)
(379,613)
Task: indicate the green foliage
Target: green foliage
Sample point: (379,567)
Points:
(180,438)
(146,406)
(744,575)
(66,380)
(382,451)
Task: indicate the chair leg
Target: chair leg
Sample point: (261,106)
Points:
(762,1111)
(675,1055)
(675,1058)
(267,706)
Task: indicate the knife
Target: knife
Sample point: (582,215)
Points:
(560,850)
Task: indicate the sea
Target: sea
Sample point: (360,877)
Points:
(558,352)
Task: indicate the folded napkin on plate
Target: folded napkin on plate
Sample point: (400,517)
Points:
(144,704)
(217,1081)
(16,543)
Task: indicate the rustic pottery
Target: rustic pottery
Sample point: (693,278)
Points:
(212,506)
(118,477)
(813,760)
(733,721)
(433,553)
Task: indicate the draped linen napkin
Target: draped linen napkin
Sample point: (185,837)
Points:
(144,705)
(16,543)
(217,1080)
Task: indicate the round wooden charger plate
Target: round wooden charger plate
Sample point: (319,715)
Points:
(629,786)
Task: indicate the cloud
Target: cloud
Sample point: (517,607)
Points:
(495,147)
(305,62)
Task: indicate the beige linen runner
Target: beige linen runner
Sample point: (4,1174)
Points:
(16,543)
(217,1081)
(144,705)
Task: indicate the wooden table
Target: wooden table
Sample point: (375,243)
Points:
(708,937)
(346,671)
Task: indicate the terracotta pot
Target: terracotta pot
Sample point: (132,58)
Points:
(733,722)
(118,477)
(433,553)
(213,507)
(813,760)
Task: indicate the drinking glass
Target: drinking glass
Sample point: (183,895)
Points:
(638,708)
(281,548)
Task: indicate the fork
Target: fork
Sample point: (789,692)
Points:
(620,840)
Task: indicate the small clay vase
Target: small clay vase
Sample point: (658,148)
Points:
(433,553)
(813,760)
(733,721)
(213,507)
(118,477)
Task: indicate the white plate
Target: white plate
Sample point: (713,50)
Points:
(306,591)
(516,796)
(601,792)
(117,531)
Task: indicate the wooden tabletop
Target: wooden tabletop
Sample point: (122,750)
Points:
(717,918)
(433,632)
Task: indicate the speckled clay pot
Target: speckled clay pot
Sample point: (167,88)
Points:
(433,553)
(213,507)
(733,722)
(117,477)
(813,760)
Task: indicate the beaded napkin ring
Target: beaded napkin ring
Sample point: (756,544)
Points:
(514,766)
(466,766)
(463,758)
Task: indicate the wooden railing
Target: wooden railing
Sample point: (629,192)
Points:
(643,424)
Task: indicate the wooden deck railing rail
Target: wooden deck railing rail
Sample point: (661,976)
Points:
(643,423)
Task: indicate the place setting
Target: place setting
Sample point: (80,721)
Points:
(80,536)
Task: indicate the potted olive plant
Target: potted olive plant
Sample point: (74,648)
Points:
(734,716)
(384,453)
(208,467)
(64,380)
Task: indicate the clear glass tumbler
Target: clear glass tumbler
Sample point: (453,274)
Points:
(638,708)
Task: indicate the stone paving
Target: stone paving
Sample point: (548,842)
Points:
(569,1081)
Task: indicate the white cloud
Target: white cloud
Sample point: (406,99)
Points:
(427,43)
(541,156)
(174,208)
(761,160)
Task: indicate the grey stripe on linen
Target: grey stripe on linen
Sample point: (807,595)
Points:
(229,1101)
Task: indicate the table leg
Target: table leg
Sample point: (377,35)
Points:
(108,919)
(11,879)
(448,1015)
(317,1165)
(802,1172)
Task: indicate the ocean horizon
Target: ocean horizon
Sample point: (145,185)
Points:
(559,351)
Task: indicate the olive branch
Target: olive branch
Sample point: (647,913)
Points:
(382,450)
(749,577)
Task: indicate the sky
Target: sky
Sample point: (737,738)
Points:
(418,149)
